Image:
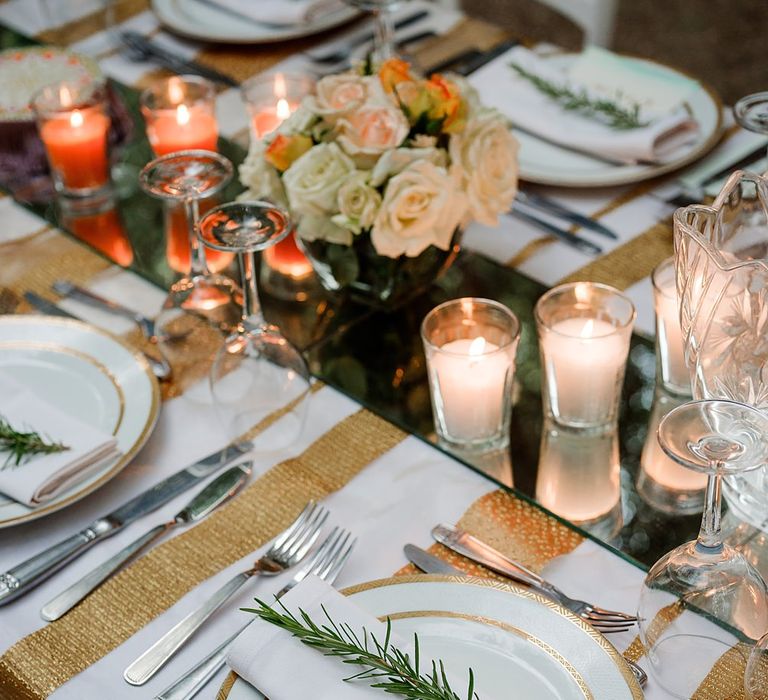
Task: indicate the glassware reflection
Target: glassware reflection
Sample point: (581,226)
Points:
(100,227)
(177,250)
(579,477)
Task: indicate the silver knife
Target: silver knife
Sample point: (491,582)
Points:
(550,206)
(518,210)
(25,576)
(160,368)
(219,491)
(429,563)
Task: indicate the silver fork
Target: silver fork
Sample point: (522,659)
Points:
(287,551)
(463,543)
(327,562)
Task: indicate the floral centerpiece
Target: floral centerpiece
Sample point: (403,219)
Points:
(381,171)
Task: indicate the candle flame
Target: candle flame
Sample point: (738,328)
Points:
(280,90)
(477,347)
(65,96)
(283,109)
(586,332)
(76,119)
(182,115)
(581,292)
(175,90)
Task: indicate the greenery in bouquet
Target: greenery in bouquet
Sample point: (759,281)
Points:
(386,164)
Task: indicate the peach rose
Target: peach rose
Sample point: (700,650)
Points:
(446,103)
(393,72)
(339,94)
(371,130)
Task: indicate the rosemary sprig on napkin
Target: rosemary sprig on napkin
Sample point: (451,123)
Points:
(20,445)
(611,113)
(390,668)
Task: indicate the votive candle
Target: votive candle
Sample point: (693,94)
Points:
(270,99)
(672,371)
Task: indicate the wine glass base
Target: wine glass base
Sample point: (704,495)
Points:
(669,500)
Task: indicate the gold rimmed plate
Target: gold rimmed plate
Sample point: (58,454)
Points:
(89,374)
(510,637)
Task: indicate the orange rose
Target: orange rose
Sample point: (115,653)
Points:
(285,149)
(393,72)
(446,103)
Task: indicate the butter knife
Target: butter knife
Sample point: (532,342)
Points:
(217,492)
(429,563)
(25,576)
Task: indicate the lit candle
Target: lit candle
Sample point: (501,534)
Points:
(177,251)
(103,230)
(271,99)
(672,369)
(584,332)
(286,258)
(179,115)
(268,118)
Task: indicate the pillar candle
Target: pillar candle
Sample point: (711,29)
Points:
(181,129)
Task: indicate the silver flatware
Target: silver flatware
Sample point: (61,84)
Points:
(430,564)
(326,563)
(605,621)
(550,206)
(287,551)
(520,211)
(139,48)
(471,60)
(25,576)
(219,491)
(160,367)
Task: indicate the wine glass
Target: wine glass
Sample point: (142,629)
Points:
(257,371)
(751,112)
(384,36)
(701,595)
(756,674)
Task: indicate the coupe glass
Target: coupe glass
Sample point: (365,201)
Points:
(751,112)
(214,299)
(702,597)
(257,371)
(384,37)
(756,674)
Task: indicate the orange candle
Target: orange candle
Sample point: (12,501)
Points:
(104,231)
(182,129)
(177,240)
(286,258)
(267,119)
(76,144)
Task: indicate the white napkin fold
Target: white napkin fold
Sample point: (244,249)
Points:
(281,12)
(283,668)
(41,477)
(669,131)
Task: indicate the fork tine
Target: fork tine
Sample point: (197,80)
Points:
(607,624)
(612,614)
(338,554)
(321,553)
(608,630)
(309,508)
(298,548)
(338,545)
(331,574)
(332,541)
(288,548)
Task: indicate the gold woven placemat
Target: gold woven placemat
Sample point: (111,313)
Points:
(39,663)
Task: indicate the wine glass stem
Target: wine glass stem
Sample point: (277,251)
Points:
(251,308)
(197,264)
(384,41)
(710,538)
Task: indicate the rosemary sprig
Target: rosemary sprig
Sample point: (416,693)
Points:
(609,112)
(20,445)
(391,669)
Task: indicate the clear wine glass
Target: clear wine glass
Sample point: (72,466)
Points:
(751,112)
(384,36)
(702,597)
(756,674)
(257,371)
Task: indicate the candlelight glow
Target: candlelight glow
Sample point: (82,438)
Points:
(477,347)
(182,115)
(280,90)
(581,292)
(283,109)
(175,90)
(76,119)
(586,332)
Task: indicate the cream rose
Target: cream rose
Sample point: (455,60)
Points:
(299,122)
(313,228)
(339,94)
(313,180)
(485,153)
(371,130)
(358,203)
(395,161)
(422,206)
(261,179)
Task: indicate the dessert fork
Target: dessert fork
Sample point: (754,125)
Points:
(605,621)
(287,551)
(327,563)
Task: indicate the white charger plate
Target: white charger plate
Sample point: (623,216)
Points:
(197,20)
(89,374)
(510,637)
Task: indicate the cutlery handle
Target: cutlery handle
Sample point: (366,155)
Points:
(67,289)
(571,239)
(198,676)
(154,658)
(68,598)
(29,573)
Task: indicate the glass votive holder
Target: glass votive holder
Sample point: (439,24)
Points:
(671,370)
(73,122)
(270,99)
(584,331)
(470,346)
(179,114)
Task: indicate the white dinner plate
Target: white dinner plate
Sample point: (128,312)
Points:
(89,374)
(197,20)
(547,163)
(510,637)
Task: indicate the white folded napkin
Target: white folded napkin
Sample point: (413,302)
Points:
(281,12)
(659,93)
(283,668)
(41,477)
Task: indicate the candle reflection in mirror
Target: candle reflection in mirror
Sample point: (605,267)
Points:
(100,227)
(579,477)
(177,239)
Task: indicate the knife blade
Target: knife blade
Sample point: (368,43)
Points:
(550,206)
(571,239)
(29,573)
(471,60)
(429,563)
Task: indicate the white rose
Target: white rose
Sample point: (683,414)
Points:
(358,203)
(299,122)
(395,161)
(313,228)
(313,180)
(371,130)
(339,94)
(259,177)
(422,206)
(486,153)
